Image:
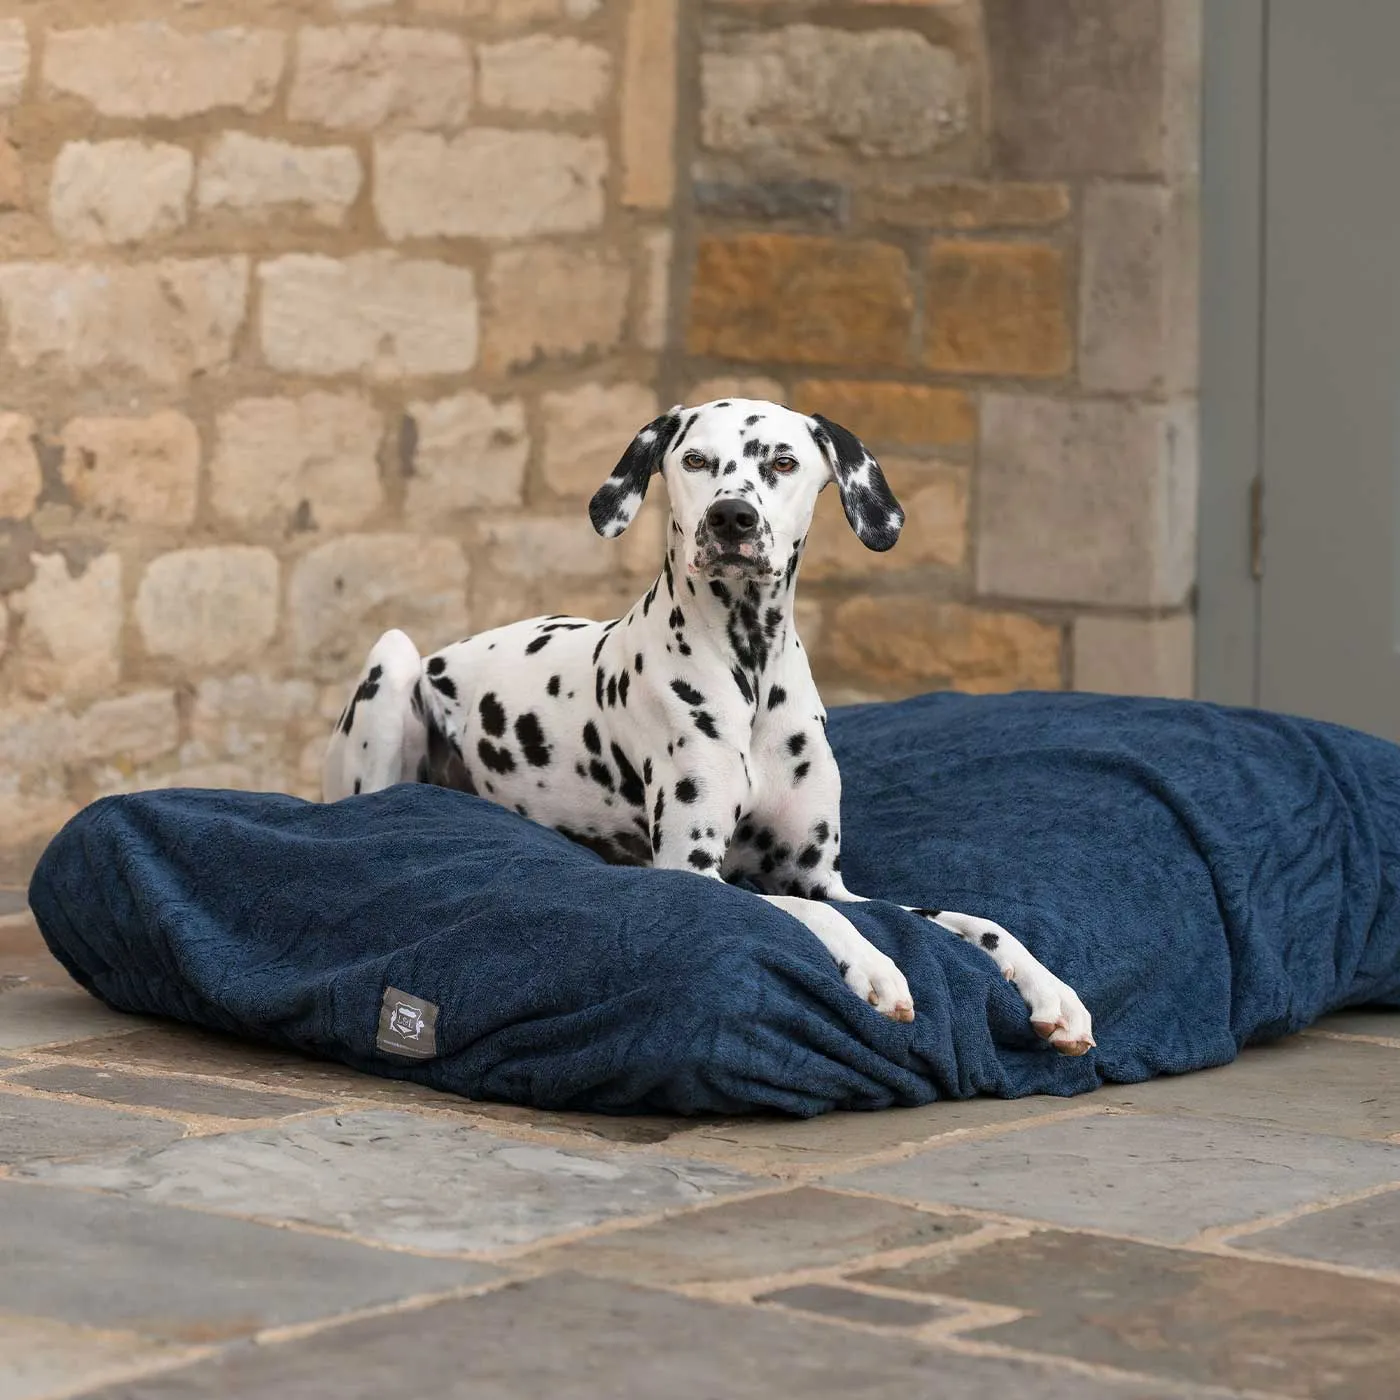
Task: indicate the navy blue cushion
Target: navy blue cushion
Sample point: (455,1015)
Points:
(1204,877)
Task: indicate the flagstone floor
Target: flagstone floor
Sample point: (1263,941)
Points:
(186,1216)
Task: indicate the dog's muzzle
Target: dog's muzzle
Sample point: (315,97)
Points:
(729,542)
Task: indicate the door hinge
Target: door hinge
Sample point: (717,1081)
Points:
(1256,528)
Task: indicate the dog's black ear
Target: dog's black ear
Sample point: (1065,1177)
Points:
(618,499)
(870,506)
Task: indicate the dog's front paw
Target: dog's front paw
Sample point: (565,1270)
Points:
(1057,1014)
(877,979)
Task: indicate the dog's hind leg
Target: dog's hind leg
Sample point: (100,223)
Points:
(380,737)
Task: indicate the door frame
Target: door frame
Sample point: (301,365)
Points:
(1234,100)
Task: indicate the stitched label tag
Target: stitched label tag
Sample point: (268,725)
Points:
(407,1026)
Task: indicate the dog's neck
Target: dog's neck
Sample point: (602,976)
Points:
(745,624)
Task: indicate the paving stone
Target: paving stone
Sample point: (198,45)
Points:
(1311,1085)
(185,1050)
(45,1015)
(589,1340)
(1164,1178)
(855,1306)
(159,1091)
(39,1356)
(802,1229)
(105,1262)
(403,1179)
(1385,1024)
(25,959)
(837,1137)
(1190,1317)
(13,902)
(1364,1234)
(34,1130)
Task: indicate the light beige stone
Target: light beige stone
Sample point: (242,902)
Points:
(14,61)
(31,733)
(641,547)
(1138,289)
(348,591)
(543,74)
(367,77)
(805,89)
(1134,656)
(653,307)
(14,194)
(70,628)
(309,463)
(545,300)
(586,431)
(119,191)
(469,453)
(144,470)
(373,313)
(209,606)
(1086,502)
(150,69)
(735,386)
(648,99)
(486,183)
(166,320)
(136,728)
(20,478)
(537,546)
(246,717)
(258,178)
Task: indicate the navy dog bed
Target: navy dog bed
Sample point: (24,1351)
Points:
(1204,877)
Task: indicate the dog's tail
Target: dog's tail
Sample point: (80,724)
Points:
(381,737)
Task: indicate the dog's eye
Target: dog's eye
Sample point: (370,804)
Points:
(694,461)
(784,464)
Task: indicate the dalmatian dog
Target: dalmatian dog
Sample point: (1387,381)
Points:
(687,734)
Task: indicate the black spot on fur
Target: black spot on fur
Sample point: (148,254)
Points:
(776,697)
(600,773)
(623,682)
(531,737)
(800,772)
(498,760)
(591,741)
(629,784)
(637,663)
(796,743)
(445,685)
(437,665)
(701,860)
(357,787)
(706,725)
(612,692)
(687,790)
(493,715)
(539,644)
(553,686)
(742,681)
(366,690)
(687,692)
(809,858)
(989,941)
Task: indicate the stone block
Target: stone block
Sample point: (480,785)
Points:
(368,77)
(892,415)
(545,300)
(1076,87)
(13,193)
(141,470)
(648,103)
(37,1016)
(1138,290)
(800,300)
(997,308)
(541,74)
(259,178)
(486,183)
(165,320)
(70,628)
(1087,502)
(914,641)
(372,313)
(651,329)
(117,1264)
(249,717)
(735,386)
(1081,1173)
(346,592)
(21,480)
(1134,656)
(209,606)
(962,204)
(307,463)
(1189,1319)
(1362,1234)
(586,431)
(757,1238)
(541,546)
(455,1187)
(119,191)
(468,453)
(935,500)
(33,1129)
(150,69)
(868,1309)
(166,1092)
(806,202)
(39,1356)
(132,728)
(14,61)
(803,90)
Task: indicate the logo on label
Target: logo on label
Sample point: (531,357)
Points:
(407,1025)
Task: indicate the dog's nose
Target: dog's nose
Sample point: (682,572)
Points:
(732,521)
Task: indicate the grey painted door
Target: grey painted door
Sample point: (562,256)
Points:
(1329,370)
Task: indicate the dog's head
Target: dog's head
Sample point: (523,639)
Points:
(743,477)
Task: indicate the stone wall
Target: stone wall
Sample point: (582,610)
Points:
(324,315)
